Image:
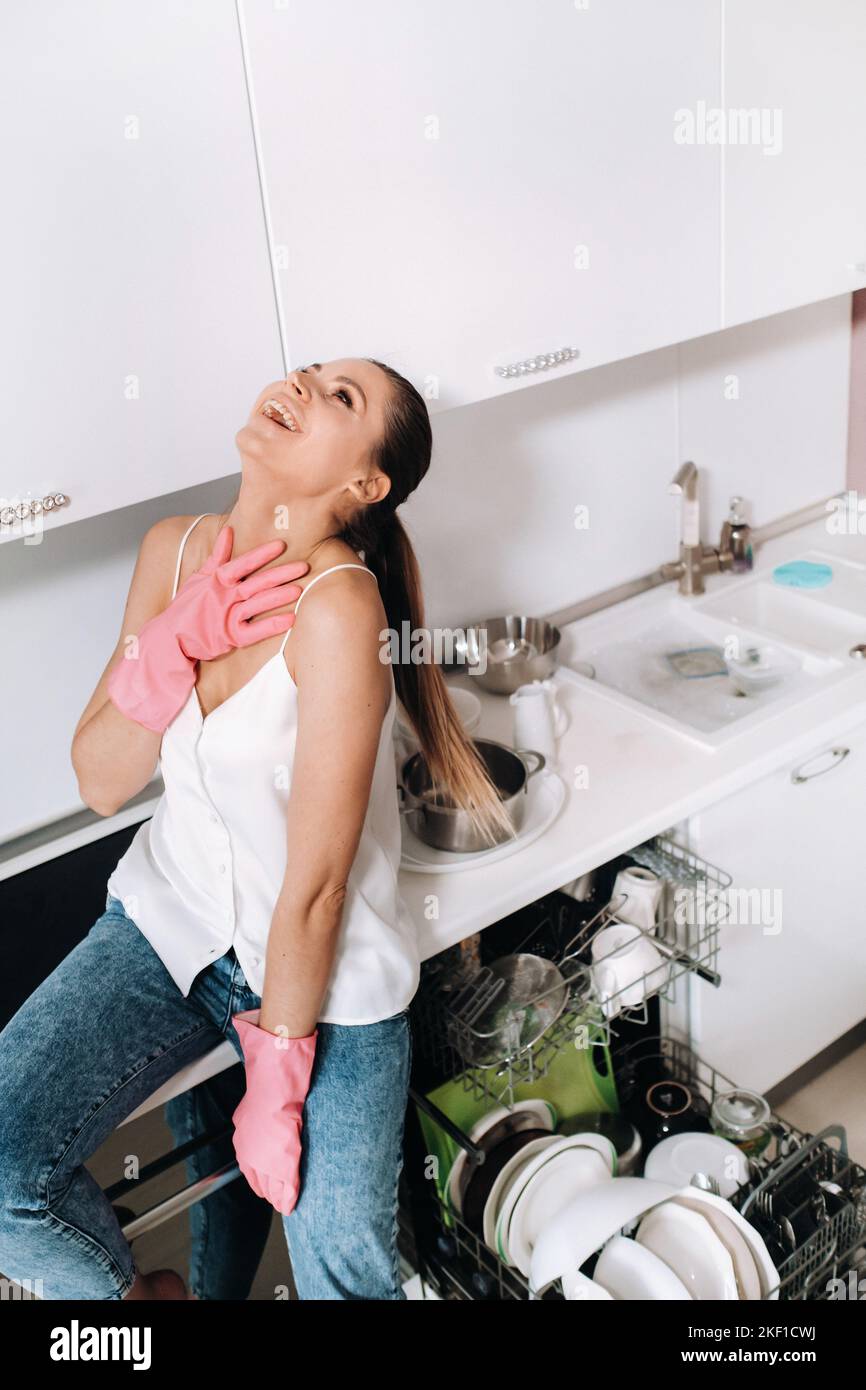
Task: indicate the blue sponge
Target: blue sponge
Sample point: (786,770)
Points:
(803,574)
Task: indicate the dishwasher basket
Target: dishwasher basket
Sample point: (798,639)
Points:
(456,1261)
(455,1016)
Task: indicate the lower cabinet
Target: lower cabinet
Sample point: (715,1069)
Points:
(793,948)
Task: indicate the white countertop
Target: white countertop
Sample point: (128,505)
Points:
(643,779)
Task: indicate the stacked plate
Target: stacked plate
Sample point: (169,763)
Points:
(689,1244)
(557,1170)
(705,1242)
(546,1203)
(528,1176)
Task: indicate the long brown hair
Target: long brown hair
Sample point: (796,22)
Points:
(403,455)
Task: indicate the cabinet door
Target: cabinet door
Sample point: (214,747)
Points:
(456,187)
(795,198)
(793,958)
(139,316)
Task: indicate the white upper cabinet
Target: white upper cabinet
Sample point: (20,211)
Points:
(459,186)
(139,315)
(795,196)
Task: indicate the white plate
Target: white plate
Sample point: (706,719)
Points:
(599,1143)
(512,1196)
(631,1272)
(767,1271)
(688,1246)
(564,1173)
(467,707)
(509,1174)
(677,1159)
(545,797)
(587,1222)
(541,1110)
(745,1269)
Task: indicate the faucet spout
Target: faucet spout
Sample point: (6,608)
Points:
(685,481)
(696,559)
(685,485)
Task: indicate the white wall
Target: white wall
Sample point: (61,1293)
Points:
(493,520)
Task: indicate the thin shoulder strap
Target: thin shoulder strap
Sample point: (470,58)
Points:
(182,544)
(309,586)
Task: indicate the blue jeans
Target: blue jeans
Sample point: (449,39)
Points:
(101,1034)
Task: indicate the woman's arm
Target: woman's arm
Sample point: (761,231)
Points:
(343,694)
(115,757)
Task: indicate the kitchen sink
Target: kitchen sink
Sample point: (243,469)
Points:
(666,655)
(828,621)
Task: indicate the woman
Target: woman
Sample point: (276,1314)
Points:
(260,903)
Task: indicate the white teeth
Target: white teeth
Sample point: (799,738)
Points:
(285,418)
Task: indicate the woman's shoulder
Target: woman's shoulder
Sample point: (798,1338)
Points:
(345,579)
(345,611)
(158,551)
(164,536)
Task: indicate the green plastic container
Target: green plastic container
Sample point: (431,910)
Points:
(573,1085)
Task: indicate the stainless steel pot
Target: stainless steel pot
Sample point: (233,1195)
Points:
(438,821)
(502,654)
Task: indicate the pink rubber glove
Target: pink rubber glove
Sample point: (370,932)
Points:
(267,1137)
(208,616)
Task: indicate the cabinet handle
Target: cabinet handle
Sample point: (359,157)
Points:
(837,755)
(540,363)
(20,511)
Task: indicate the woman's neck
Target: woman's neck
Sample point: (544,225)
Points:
(307,526)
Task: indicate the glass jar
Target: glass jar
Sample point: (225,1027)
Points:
(743,1117)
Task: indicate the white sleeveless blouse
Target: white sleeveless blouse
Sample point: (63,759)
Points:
(204,873)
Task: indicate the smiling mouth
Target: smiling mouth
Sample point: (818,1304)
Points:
(275,410)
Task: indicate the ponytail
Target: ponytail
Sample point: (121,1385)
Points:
(455,766)
(457,771)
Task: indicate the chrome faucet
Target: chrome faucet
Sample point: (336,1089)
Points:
(734,551)
(685,485)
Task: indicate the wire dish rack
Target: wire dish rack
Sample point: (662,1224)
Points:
(473,1024)
(814,1243)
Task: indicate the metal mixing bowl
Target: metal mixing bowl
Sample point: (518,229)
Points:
(502,654)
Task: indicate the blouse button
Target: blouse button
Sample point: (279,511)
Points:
(214,817)
(222,868)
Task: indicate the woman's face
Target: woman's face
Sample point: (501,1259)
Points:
(316,429)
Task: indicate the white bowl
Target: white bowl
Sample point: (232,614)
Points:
(689,1246)
(771,667)
(767,1272)
(578,1288)
(745,1268)
(630,1272)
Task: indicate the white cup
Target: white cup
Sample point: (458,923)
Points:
(539,720)
(643,889)
(626,968)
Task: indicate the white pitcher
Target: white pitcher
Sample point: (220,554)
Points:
(539,719)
